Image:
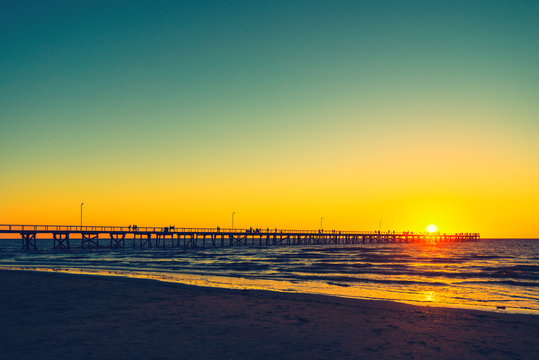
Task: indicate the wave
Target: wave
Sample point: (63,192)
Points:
(505,282)
(343,280)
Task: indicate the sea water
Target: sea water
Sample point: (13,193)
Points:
(493,275)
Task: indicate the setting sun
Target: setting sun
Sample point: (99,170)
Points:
(432,228)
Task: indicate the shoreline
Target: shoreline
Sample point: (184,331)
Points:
(61,315)
(233,283)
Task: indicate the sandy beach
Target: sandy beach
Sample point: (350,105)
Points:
(66,316)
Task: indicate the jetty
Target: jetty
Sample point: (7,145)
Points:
(120,237)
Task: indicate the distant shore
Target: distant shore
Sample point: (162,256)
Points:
(66,316)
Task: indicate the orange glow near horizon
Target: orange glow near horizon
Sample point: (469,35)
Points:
(271,205)
(288,191)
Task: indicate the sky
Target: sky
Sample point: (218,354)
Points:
(387,115)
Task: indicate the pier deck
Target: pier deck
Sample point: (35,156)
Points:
(66,236)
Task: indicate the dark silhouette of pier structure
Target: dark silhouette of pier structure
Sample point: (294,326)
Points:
(66,236)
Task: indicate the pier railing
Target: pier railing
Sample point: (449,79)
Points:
(16,228)
(171,236)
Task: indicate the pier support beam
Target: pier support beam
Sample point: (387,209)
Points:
(90,240)
(145,240)
(61,241)
(117,240)
(28,240)
(161,240)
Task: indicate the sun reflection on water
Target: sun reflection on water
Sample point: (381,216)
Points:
(430,296)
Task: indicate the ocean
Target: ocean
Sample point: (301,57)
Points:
(492,275)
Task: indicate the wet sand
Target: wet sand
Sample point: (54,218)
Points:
(66,316)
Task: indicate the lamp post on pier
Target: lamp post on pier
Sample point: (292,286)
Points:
(81,216)
(234,213)
(321,227)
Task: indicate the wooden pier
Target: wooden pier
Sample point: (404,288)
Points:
(93,237)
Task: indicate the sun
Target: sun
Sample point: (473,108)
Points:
(432,228)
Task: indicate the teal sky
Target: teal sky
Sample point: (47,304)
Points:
(251,87)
